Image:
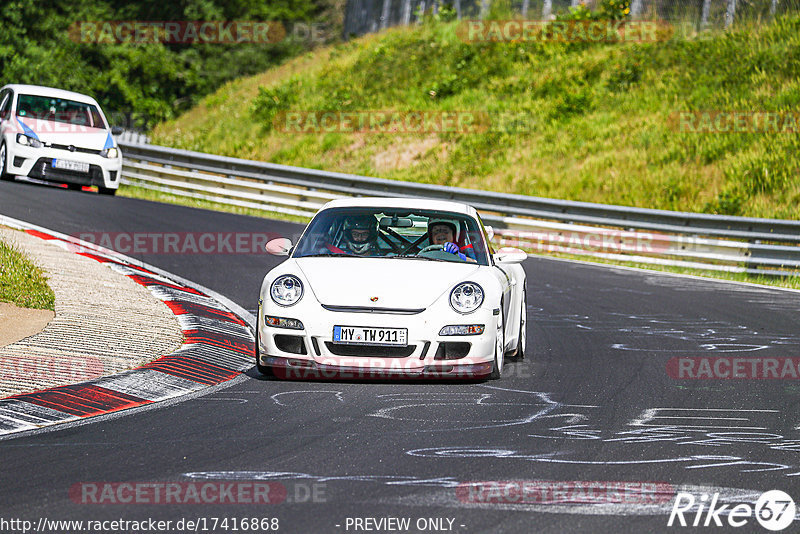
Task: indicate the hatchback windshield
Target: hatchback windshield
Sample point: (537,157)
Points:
(394,233)
(59,110)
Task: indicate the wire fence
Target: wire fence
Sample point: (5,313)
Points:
(369,16)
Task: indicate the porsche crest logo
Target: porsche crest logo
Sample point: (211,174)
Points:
(374,299)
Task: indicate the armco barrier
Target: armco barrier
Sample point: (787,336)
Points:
(703,241)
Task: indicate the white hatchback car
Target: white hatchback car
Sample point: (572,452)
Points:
(57,136)
(391,287)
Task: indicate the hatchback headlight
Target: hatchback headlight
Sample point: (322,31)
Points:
(26,140)
(110,153)
(286,290)
(466,297)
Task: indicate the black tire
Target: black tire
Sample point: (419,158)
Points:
(265,370)
(497,370)
(107,191)
(522,338)
(3,157)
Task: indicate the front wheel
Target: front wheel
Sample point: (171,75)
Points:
(3,166)
(499,348)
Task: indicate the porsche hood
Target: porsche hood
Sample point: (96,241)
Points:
(382,282)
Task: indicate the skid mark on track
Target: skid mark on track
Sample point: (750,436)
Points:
(304,392)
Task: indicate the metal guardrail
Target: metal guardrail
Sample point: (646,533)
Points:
(703,241)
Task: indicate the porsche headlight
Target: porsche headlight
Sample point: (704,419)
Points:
(286,290)
(466,297)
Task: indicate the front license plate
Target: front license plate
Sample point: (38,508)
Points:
(68,165)
(365,335)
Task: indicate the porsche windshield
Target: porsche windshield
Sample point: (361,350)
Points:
(394,233)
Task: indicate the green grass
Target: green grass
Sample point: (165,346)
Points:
(591,122)
(21,282)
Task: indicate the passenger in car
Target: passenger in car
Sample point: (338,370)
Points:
(445,232)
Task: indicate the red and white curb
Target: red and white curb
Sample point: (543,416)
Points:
(218,346)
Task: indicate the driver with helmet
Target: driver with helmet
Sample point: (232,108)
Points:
(359,236)
(445,232)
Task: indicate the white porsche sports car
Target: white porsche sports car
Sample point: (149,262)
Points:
(391,287)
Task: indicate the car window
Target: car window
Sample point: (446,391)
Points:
(59,110)
(389,233)
(5,103)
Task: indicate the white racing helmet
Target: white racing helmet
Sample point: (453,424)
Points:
(360,222)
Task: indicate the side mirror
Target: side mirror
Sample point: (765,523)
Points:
(510,255)
(279,247)
(116,130)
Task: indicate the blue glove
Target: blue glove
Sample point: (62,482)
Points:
(462,256)
(452,248)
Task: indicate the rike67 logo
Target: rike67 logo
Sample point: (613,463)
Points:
(774,510)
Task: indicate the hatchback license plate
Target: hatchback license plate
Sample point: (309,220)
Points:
(366,335)
(69,165)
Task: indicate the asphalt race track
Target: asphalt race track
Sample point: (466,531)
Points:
(593,401)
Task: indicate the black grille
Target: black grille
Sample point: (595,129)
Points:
(43,170)
(375,351)
(452,350)
(293,344)
(76,149)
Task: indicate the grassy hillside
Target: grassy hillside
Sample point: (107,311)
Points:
(595,121)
